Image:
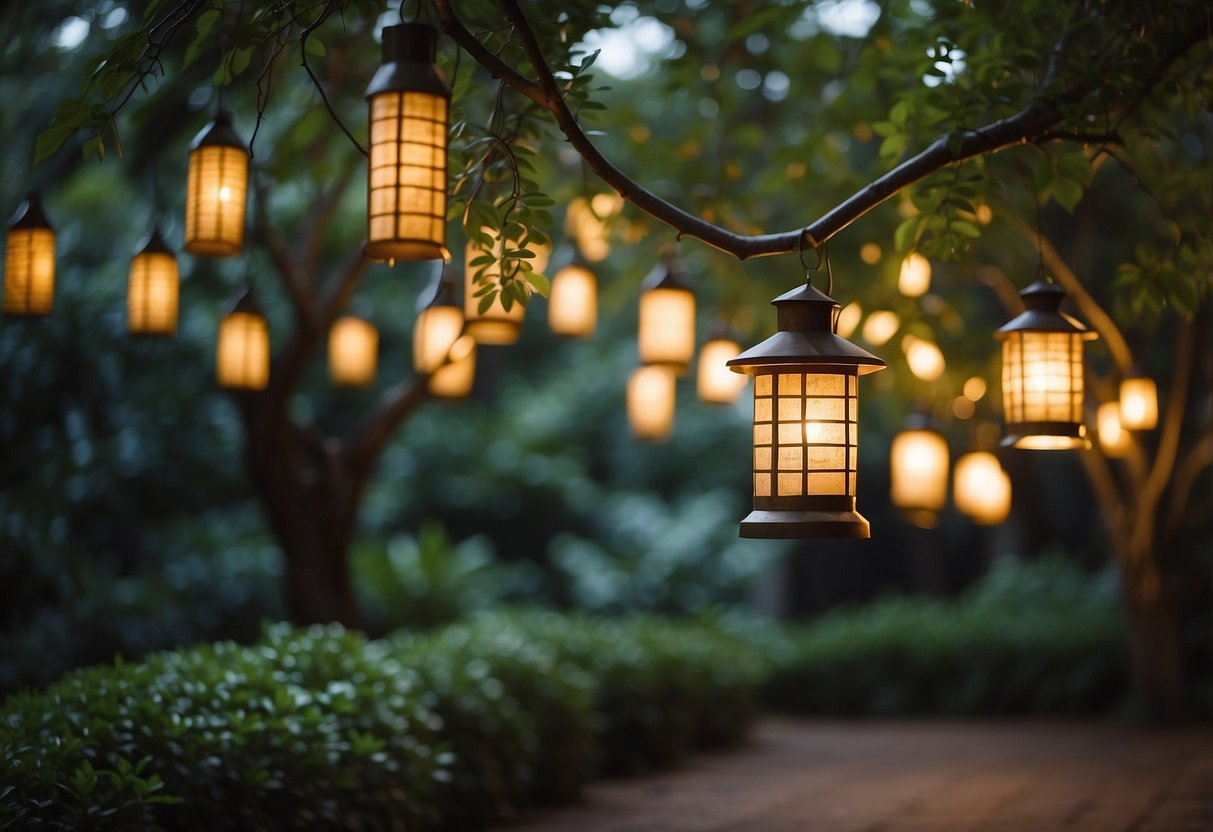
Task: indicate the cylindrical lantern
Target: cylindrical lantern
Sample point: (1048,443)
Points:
(982,489)
(440,348)
(915,276)
(496,325)
(573,302)
(1138,403)
(454,379)
(717,384)
(1042,373)
(243,354)
(1114,440)
(651,402)
(215,191)
(406,189)
(918,472)
(29,262)
(353,352)
(152,288)
(667,319)
(806,423)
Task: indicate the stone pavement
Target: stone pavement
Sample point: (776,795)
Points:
(921,776)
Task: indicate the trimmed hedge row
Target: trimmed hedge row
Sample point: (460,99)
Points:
(321,728)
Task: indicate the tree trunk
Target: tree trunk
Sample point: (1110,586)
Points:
(1155,645)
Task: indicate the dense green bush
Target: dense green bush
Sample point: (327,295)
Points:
(320,727)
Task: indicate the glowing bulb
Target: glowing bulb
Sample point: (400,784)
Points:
(982,489)
(915,277)
(925,359)
(1138,403)
(225,194)
(1113,438)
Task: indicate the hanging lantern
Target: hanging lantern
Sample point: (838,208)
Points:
(496,325)
(243,355)
(406,189)
(1042,384)
(573,302)
(806,423)
(353,352)
(717,384)
(651,402)
(1138,403)
(29,262)
(982,489)
(1114,440)
(152,288)
(440,348)
(919,472)
(216,190)
(667,319)
(915,276)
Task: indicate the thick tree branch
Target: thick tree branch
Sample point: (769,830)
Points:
(367,441)
(1195,461)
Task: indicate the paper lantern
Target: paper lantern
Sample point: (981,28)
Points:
(243,355)
(919,472)
(1114,440)
(152,289)
(409,111)
(454,379)
(717,384)
(216,190)
(651,395)
(1138,403)
(1042,373)
(496,325)
(29,262)
(353,352)
(440,348)
(667,319)
(573,302)
(915,276)
(806,423)
(982,489)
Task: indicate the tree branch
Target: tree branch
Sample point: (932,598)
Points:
(275,245)
(1198,458)
(367,441)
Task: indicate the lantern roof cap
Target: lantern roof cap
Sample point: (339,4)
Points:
(444,291)
(667,275)
(1042,300)
(806,337)
(154,243)
(219,133)
(246,302)
(409,52)
(29,213)
(920,421)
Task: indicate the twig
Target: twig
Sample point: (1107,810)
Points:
(307,32)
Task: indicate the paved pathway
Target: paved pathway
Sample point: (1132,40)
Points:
(929,776)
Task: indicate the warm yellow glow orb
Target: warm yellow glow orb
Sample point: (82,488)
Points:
(919,474)
(880,327)
(982,489)
(573,302)
(925,359)
(975,388)
(915,276)
(1114,440)
(454,379)
(216,189)
(1138,403)
(353,352)
(29,262)
(717,384)
(650,398)
(848,320)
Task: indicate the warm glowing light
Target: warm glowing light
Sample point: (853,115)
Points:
(963,408)
(982,489)
(1138,403)
(650,397)
(880,327)
(440,349)
(985,214)
(975,388)
(915,276)
(243,353)
(848,319)
(667,320)
(573,302)
(588,223)
(496,325)
(29,263)
(919,474)
(353,352)
(152,289)
(409,110)
(1114,440)
(870,254)
(926,361)
(717,384)
(454,379)
(216,186)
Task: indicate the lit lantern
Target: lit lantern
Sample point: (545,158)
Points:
(915,276)
(152,288)
(1042,383)
(717,384)
(880,327)
(925,360)
(406,188)
(667,319)
(215,190)
(440,348)
(1113,439)
(29,262)
(243,355)
(982,489)
(919,472)
(1138,403)
(651,402)
(353,352)
(806,423)
(454,379)
(573,302)
(496,325)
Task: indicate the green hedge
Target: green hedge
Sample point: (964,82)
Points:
(321,728)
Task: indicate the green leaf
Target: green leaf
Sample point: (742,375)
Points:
(965,229)
(486,302)
(50,140)
(539,283)
(1067,193)
(315,46)
(904,235)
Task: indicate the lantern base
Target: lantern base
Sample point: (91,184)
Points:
(789,525)
(493,333)
(1046,436)
(217,249)
(405,250)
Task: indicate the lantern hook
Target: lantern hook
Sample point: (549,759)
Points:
(823,259)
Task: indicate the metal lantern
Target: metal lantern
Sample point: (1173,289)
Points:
(717,384)
(919,472)
(915,276)
(573,302)
(29,262)
(651,402)
(152,288)
(1042,373)
(667,319)
(243,354)
(982,489)
(1114,440)
(216,190)
(353,352)
(441,350)
(496,325)
(1138,403)
(806,423)
(409,111)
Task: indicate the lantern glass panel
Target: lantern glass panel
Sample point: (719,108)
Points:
(151,296)
(29,272)
(243,359)
(573,302)
(667,328)
(1138,403)
(1042,382)
(982,489)
(353,352)
(215,199)
(651,397)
